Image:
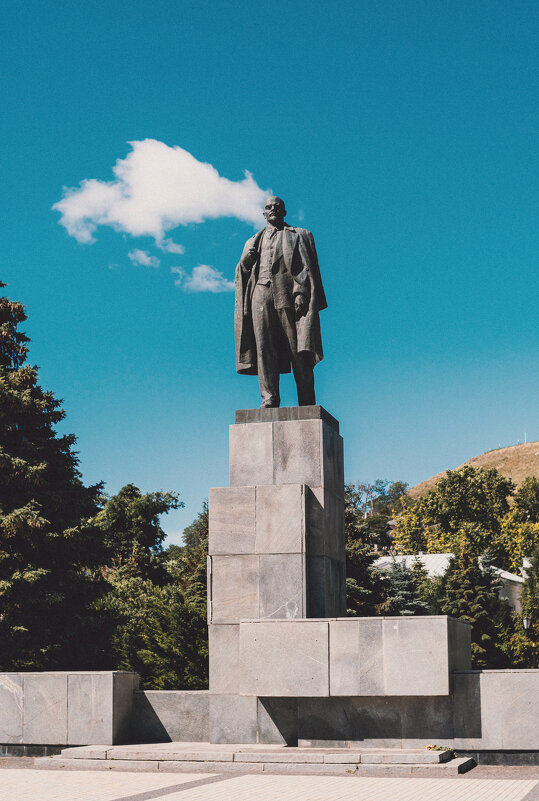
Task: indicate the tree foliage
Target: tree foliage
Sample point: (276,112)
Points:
(469,504)
(404,587)
(470,591)
(367,511)
(45,543)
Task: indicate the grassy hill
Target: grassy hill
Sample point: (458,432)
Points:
(516,462)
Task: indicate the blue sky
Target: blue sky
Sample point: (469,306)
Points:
(403,134)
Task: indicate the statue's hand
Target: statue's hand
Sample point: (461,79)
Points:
(250,258)
(300,305)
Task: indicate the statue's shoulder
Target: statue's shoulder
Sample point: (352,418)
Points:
(303,232)
(254,238)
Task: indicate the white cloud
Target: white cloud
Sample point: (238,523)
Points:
(180,273)
(170,247)
(203,279)
(155,189)
(144,258)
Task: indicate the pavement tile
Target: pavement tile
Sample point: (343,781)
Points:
(82,785)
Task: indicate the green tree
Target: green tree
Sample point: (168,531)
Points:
(468,504)
(527,499)
(403,589)
(470,591)
(156,633)
(187,563)
(156,597)
(364,586)
(46,553)
(130,533)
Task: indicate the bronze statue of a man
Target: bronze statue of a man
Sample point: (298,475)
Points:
(278,296)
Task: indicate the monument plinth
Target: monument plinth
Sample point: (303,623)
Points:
(276,535)
(276,591)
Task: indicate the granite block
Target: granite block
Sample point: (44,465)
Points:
(251,454)
(283,758)
(400,757)
(371,657)
(89,708)
(459,634)
(282,586)
(45,708)
(286,413)
(325,523)
(124,685)
(357,722)
(224,648)
(316,581)
(171,715)
(297,453)
(335,588)
(509,702)
(351,758)
(284,658)
(11,706)
(278,721)
(467,728)
(333,461)
(233,719)
(344,657)
(231,520)
(280,519)
(206,767)
(415,656)
(427,720)
(326,595)
(234,588)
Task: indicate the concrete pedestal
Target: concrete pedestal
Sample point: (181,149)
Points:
(276,544)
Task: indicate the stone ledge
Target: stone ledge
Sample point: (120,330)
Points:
(285,414)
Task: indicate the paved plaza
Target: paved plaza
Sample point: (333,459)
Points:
(28,784)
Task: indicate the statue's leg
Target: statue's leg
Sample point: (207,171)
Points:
(302,363)
(266,330)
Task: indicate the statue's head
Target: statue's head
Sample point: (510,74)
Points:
(274,211)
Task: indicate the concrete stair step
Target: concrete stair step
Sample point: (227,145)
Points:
(249,758)
(205,752)
(451,768)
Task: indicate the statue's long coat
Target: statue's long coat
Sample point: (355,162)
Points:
(295,271)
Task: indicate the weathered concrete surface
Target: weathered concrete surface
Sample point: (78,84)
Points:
(401,656)
(496,709)
(233,719)
(232,520)
(280,519)
(175,715)
(59,708)
(251,454)
(284,658)
(224,647)
(416,655)
(45,708)
(90,708)
(300,451)
(297,564)
(233,587)
(11,696)
(286,413)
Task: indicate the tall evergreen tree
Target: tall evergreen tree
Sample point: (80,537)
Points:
(187,563)
(363,535)
(403,590)
(470,591)
(156,599)
(45,549)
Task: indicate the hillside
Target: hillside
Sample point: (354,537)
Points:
(516,462)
